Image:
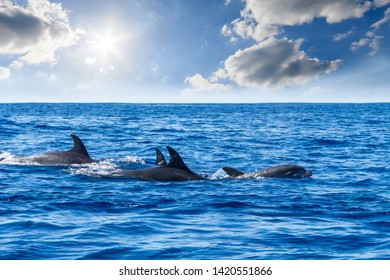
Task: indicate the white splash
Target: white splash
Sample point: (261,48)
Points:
(219,174)
(132,159)
(7,158)
(96,169)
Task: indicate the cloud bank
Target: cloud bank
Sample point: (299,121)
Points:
(35,32)
(275,63)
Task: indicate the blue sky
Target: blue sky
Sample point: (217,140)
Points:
(195,51)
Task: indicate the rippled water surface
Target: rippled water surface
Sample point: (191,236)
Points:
(77,212)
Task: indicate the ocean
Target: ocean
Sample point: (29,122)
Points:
(80,212)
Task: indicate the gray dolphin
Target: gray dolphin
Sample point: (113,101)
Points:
(279,171)
(77,155)
(175,170)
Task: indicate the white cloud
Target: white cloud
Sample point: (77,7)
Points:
(342,36)
(275,63)
(16,64)
(384,20)
(246,27)
(201,84)
(381,3)
(5,73)
(371,40)
(262,19)
(34,32)
(106,69)
(90,60)
(292,12)
(51,77)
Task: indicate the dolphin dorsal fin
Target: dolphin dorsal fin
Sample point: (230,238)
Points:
(160,159)
(232,172)
(78,146)
(176,161)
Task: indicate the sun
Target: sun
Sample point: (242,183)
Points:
(106,43)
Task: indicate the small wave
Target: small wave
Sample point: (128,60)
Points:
(30,224)
(329,142)
(7,158)
(107,254)
(231,204)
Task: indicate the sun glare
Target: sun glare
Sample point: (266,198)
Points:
(106,46)
(106,43)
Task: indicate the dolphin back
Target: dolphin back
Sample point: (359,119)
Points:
(287,170)
(278,171)
(77,155)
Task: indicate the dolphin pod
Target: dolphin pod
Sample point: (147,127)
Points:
(77,155)
(174,170)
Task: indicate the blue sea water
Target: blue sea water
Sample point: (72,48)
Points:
(76,212)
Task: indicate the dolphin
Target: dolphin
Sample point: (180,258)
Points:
(77,155)
(174,170)
(278,171)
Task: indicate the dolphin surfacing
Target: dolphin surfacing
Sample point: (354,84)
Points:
(174,170)
(278,171)
(77,155)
